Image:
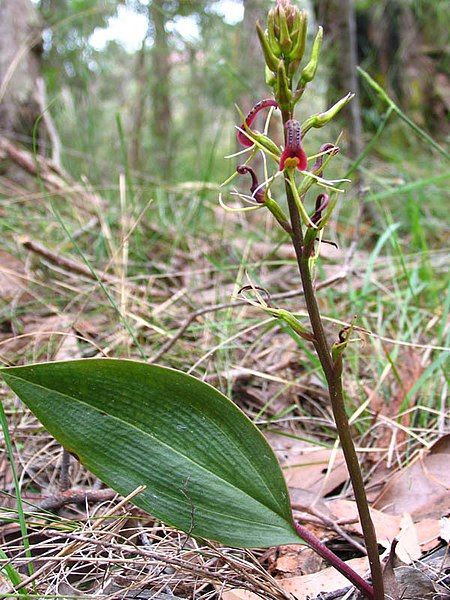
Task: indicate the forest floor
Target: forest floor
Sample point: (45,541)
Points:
(153,273)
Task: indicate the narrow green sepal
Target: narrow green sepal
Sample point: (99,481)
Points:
(309,71)
(310,238)
(269,56)
(266,142)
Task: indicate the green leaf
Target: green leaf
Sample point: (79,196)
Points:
(207,469)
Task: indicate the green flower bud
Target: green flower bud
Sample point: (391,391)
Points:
(273,39)
(278,213)
(283,91)
(321,119)
(309,71)
(299,42)
(269,56)
(283,26)
(270,77)
(292,322)
(284,38)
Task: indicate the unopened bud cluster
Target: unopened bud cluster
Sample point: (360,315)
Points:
(283,43)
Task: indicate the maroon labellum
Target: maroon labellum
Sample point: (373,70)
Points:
(293,155)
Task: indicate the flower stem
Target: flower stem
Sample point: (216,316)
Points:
(333,374)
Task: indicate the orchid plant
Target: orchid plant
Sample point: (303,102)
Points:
(283,46)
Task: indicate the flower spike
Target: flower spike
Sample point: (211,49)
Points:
(241,137)
(293,155)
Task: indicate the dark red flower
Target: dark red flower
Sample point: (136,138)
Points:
(242,138)
(293,150)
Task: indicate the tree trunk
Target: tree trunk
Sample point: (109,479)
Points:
(350,78)
(20,59)
(139,109)
(160,91)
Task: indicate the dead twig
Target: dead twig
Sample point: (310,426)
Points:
(57,501)
(73,266)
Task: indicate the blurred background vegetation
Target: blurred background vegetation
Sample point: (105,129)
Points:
(171,70)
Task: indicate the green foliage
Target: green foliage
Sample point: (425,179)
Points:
(207,469)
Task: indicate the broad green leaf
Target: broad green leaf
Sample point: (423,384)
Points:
(207,469)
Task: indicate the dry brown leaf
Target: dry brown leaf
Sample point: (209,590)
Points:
(294,560)
(391,587)
(305,466)
(309,470)
(328,580)
(422,488)
(428,533)
(288,563)
(414,584)
(408,548)
(386,526)
(239,594)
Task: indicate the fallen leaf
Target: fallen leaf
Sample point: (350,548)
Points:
(306,466)
(428,533)
(295,560)
(408,547)
(328,580)
(386,526)
(391,588)
(422,488)
(414,584)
